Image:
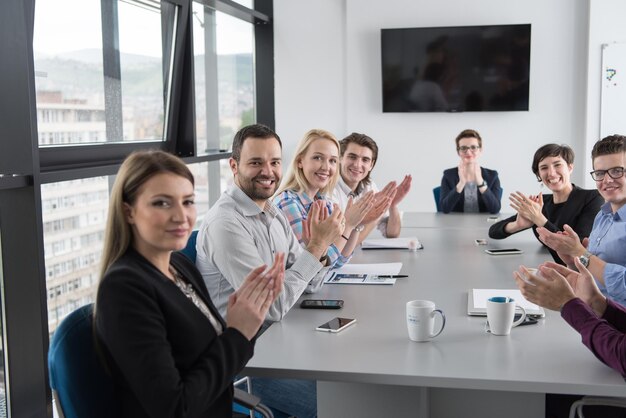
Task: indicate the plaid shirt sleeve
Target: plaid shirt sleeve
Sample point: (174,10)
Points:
(296,213)
(335,258)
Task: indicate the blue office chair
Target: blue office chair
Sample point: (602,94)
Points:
(80,384)
(190,248)
(437,195)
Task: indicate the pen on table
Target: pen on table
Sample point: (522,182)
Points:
(393,276)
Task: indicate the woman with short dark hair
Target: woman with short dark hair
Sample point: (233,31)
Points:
(568,203)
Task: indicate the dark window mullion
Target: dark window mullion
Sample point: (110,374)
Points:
(112,71)
(264,53)
(237,10)
(180,133)
(25,329)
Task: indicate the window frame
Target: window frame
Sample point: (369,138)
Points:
(25,166)
(68,162)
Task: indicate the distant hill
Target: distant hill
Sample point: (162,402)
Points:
(78,74)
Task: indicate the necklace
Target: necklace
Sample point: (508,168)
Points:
(191,294)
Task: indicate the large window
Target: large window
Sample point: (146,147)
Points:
(96,85)
(87,82)
(99,79)
(224,76)
(74,215)
(224,87)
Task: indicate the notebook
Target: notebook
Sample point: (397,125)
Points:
(477,301)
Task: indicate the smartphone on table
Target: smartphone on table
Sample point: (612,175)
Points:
(321,304)
(336,324)
(503,251)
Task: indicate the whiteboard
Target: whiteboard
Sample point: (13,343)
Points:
(613,104)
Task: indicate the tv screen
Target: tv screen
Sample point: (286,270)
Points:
(456,69)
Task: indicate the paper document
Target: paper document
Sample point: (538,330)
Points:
(355,278)
(363,274)
(390,243)
(477,301)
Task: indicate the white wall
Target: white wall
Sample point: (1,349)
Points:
(606,25)
(328,75)
(309,56)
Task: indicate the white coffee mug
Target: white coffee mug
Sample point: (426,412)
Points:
(420,320)
(500,313)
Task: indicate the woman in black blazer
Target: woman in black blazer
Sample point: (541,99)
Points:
(470,187)
(169,351)
(568,204)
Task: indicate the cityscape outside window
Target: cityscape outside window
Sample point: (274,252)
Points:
(224,77)
(72,108)
(71,85)
(74,215)
(104,82)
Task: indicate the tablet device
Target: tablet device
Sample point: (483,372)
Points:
(477,301)
(503,251)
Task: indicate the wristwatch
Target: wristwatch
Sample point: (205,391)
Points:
(359,228)
(584,259)
(483,184)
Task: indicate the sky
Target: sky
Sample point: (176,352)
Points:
(70,25)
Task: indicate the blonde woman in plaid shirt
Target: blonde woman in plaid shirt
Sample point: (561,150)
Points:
(312,176)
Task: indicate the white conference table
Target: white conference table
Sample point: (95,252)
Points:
(372,368)
(452,220)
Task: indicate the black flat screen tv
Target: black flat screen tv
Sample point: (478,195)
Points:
(456,69)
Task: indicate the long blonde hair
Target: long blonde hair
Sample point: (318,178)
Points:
(295,179)
(137,168)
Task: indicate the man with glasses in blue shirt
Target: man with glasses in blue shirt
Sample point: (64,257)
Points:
(604,253)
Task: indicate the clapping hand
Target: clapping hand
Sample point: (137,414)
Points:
(581,281)
(248,305)
(565,243)
(324,228)
(528,209)
(402,190)
(550,289)
(382,201)
(356,211)
(470,172)
(557,284)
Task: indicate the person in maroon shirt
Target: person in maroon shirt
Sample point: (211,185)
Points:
(600,322)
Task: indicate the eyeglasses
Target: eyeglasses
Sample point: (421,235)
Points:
(614,173)
(472,148)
